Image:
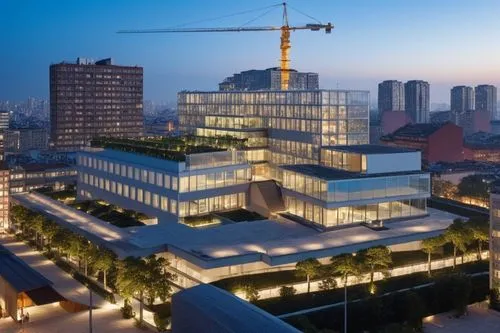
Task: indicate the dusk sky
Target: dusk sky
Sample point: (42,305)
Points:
(446,42)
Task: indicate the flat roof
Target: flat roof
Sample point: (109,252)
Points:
(18,274)
(328,173)
(273,242)
(370,149)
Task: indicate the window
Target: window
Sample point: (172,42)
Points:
(164,203)
(159,179)
(174,183)
(173,206)
(147,197)
(184,184)
(151,177)
(167,181)
(132,193)
(140,195)
(125,190)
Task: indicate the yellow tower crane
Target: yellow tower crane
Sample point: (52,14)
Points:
(284,45)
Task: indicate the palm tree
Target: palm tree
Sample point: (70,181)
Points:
(430,246)
(308,268)
(376,258)
(480,230)
(345,265)
(459,236)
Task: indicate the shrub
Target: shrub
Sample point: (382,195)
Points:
(328,283)
(161,322)
(127,311)
(251,292)
(286,292)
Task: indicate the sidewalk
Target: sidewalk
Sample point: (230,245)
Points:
(62,281)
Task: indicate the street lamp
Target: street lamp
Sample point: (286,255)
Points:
(90,311)
(345,300)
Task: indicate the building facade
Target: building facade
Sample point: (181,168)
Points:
(391,96)
(4,198)
(486,100)
(89,100)
(462,99)
(417,101)
(28,177)
(437,142)
(170,190)
(495,237)
(269,79)
(281,127)
(24,139)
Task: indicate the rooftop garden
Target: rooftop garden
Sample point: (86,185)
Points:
(112,214)
(170,148)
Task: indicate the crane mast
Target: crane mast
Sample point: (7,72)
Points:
(285,44)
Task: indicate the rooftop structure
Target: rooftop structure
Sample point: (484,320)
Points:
(266,245)
(269,79)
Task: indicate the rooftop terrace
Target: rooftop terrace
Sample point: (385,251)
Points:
(170,148)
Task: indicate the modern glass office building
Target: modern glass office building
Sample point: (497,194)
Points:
(291,125)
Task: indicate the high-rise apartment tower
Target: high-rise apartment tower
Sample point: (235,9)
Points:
(391,96)
(417,101)
(89,100)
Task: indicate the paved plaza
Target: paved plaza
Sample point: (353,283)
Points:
(57,320)
(479,320)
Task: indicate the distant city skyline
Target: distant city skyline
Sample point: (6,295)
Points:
(358,54)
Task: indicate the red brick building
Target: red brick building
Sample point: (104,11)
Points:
(437,142)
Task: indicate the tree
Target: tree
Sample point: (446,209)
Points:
(251,292)
(36,224)
(157,279)
(308,268)
(345,265)
(377,259)
(49,230)
(146,278)
(19,215)
(60,240)
(104,260)
(431,246)
(474,186)
(131,281)
(458,235)
(287,292)
(479,229)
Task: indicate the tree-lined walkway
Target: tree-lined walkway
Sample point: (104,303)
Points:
(64,283)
